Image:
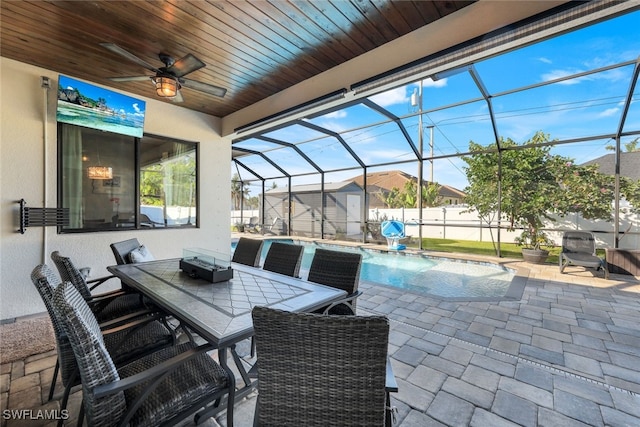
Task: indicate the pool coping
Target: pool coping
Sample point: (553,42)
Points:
(514,291)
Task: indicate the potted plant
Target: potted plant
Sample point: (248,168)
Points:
(533,241)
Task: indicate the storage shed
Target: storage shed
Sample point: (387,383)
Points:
(343,207)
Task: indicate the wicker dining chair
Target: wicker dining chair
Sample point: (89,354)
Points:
(160,388)
(319,370)
(248,252)
(106,306)
(284,258)
(121,250)
(126,340)
(339,270)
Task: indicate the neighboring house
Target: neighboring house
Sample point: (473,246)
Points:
(343,209)
(385,181)
(451,195)
(629,164)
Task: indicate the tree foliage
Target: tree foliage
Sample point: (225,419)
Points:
(176,178)
(151,185)
(629,147)
(408,196)
(535,185)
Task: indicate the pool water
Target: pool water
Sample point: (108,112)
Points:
(436,276)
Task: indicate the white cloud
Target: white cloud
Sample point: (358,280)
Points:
(614,75)
(333,125)
(339,114)
(385,155)
(558,74)
(545,60)
(437,83)
(391,97)
(135,107)
(609,112)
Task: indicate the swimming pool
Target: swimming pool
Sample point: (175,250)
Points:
(447,278)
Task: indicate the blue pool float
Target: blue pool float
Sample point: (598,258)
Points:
(393,231)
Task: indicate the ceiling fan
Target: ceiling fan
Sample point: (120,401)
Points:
(170,78)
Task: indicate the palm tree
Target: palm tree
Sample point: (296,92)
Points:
(238,191)
(629,146)
(431,195)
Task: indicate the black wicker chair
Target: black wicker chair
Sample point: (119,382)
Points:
(339,270)
(318,370)
(159,389)
(126,340)
(108,305)
(579,248)
(248,252)
(284,258)
(121,250)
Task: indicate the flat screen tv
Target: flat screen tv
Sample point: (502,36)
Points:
(84,104)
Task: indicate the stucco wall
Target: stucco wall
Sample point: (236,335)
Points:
(28,169)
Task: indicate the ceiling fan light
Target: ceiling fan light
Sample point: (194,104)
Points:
(99,172)
(166,87)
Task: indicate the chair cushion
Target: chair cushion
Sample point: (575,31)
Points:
(122,249)
(141,254)
(192,381)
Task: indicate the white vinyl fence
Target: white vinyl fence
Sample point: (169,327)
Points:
(453,222)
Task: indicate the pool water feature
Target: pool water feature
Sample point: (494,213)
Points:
(442,277)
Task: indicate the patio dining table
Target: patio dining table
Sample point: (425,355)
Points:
(220,312)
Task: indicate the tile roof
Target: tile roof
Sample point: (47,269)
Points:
(386,180)
(629,164)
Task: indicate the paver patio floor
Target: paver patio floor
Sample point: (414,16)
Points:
(565,354)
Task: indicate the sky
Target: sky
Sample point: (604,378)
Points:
(582,107)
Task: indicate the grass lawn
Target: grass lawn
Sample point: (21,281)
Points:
(508,250)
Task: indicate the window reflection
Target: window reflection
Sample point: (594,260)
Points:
(106,186)
(167,183)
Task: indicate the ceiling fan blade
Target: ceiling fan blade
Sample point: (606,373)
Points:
(130,78)
(185,65)
(130,56)
(203,87)
(178,98)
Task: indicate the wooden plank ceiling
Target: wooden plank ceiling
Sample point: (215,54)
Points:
(254,49)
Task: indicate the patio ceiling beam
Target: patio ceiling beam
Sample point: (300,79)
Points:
(268,160)
(618,159)
(312,163)
(487,97)
(295,147)
(336,135)
(564,78)
(467,153)
(629,98)
(397,121)
(248,169)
